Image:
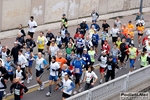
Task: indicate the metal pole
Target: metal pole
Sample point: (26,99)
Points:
(141,6)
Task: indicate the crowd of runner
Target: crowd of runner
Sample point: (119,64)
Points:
(71,59)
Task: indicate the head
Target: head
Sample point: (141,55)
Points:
(85,51)
(87,37)
(115,45)
(66,77)
(91,48)
(39,55)
(118,39)
(139,13)
(65,66)
(69,45)
(124,25)
(130,22)
(117,19)
(95,31)
(28,37)
(104,21)
(15,44)
(60,55)
(20,26)
(132,45)
(123,40)
(49,31)
(93,27)
(64,16)
(78,57)
(18,68)
(115,25)
(58,34)
(93,21)
(80,36)
(19,34)
(53,43)
(78,26)
(72,52)
(110,58)
(8,58)
(90,68)
(105,42)
(41,33)
(53,59)
(71,40)
(84,21)
(20,51)
(104,53)
(31,18)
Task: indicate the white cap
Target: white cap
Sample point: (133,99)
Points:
(148,36)
(85,49)
(148,32)
(84,20)
(15,42)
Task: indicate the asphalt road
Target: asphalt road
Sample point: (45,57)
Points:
(33,94)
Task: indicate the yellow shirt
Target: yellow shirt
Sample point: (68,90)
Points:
(140,28)
(118,44)
(130,26)
(40,42)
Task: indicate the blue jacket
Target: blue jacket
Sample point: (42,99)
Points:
(97,27)
(8,67)
(95,38)
(86,58)
(78,64)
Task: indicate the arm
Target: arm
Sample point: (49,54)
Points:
(45,64)
(3,82)
(72,87)
(87,27)
(35,25)
(24,76)
(24,87)
(45,39)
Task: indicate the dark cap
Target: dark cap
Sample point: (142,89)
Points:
(110,57)
(63,14)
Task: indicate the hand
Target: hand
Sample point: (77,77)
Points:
(92,84)
(62,90)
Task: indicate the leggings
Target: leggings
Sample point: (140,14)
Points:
(132,63)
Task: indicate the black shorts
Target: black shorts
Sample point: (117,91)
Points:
(95,45)
(77,76)
(24,70)
(122,58)
(48,44)
(139,34)
(9,76)
(114,39)
(40,50)
(65,95)
(39,73)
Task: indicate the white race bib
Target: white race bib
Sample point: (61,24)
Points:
(17,92)
(109,67)
(77,70)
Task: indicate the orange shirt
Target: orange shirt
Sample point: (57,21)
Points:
(125,31)
(130,26)
(61,61)
(131,34)
(140,28)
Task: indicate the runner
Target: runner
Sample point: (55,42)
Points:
(118,23)
(92,55)
(86,58)
(78,65)
(133,53)
(40,65)
(105,26)
(30,43)
(94,15)
(80,43)
(67,87)
(54,69)
(88,42)
(90,78)
(144,59)
(2,86)
(21,30)
(64,21)
(41,41)
(111,66)
(106,47)
(140,29)
(19,89)
(19,73)
(96,26)
(114,33)
(103,60)
(95,39)
(84,27)
(32,25)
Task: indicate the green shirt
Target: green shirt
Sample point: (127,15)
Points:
(92,53)
(68,50)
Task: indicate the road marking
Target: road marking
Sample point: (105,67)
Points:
(34,88)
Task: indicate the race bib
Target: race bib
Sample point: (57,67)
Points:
(142,63)
(103,62)
(59,63)
(88,79)
(17,92)
(40,42)
(65,88)
(84,58)
(109,67)
(77,70)
(132,53)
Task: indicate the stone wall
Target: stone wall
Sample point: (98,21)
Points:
(15,12)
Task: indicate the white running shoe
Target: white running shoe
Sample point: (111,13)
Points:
(48,94)
(31,78)
(139,46)
(39,88)
(101,81)
(42,86)
(80,90)
(28,80)
(75,92)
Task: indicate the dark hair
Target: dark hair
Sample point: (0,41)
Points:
(73,50)
(32,17)
(115,25)
(92,68)
(104,20)
(130,21)
(42,32)
(21,50)
(53,57)
(115,44)
(1,61)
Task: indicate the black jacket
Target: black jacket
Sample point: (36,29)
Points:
(111,66)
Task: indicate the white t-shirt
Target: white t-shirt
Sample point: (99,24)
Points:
(89,76)
(114,32)
(4,56)
(54,66)
(53,50)
(31,24)
(67,85)
(103,61)
(22,60)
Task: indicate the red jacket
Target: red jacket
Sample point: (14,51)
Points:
(144,39)
(107,48)
(77,36)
